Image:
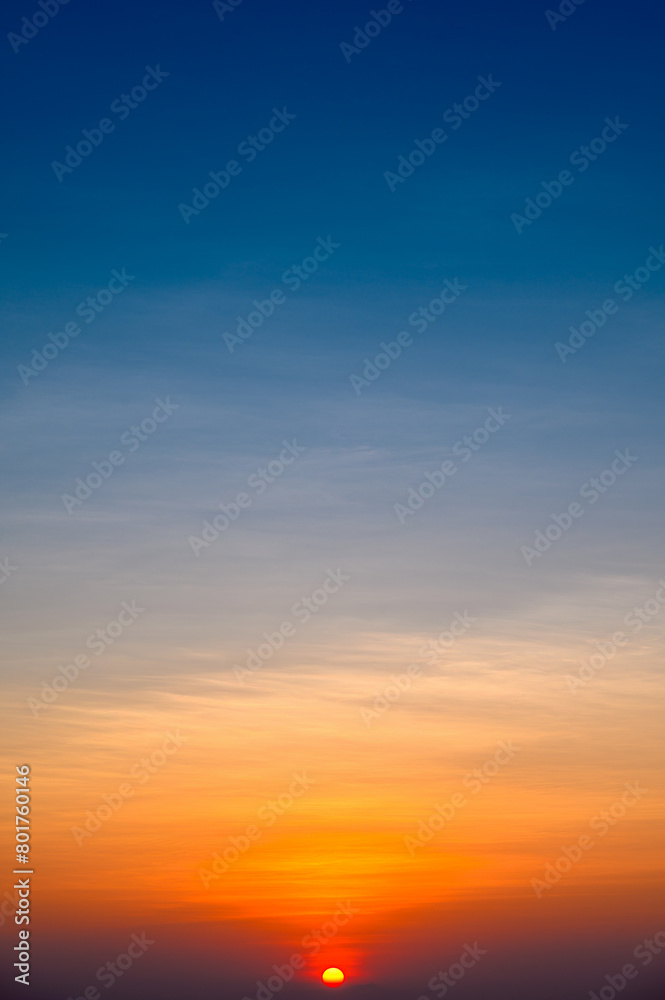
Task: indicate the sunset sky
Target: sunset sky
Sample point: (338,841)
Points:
(413,700)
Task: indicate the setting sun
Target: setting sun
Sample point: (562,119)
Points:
(333,977)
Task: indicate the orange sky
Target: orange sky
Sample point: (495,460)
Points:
(342,838)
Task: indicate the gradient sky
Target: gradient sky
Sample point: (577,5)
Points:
(373,779)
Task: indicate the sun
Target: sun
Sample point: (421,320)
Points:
(333,977)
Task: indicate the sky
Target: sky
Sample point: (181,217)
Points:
(332,493)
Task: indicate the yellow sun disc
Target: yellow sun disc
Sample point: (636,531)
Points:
(333,977)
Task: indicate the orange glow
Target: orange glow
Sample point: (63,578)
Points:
(333,977)
(362,870)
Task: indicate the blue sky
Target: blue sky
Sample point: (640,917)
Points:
(323,178)
(325,175)
(353,120)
